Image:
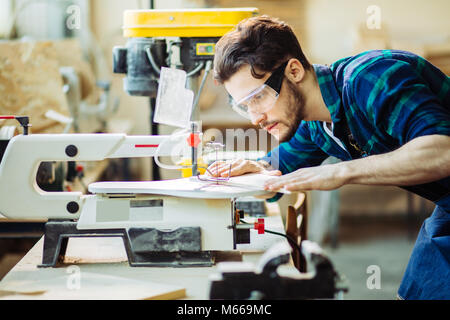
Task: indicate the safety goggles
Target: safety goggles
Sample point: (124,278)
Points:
(262,99)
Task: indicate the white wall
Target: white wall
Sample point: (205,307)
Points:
(330,24)
(5,16)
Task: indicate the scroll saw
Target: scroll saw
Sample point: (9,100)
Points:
(174,223)
(163,223)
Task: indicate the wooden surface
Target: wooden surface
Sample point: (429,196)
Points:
(105,274)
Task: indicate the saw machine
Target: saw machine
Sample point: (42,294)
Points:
(165,52)
(173,223)
(163,223)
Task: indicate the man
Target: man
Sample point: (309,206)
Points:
(385,113)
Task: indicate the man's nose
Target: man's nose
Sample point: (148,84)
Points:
(258,118)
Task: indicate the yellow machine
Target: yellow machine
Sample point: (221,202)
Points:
(183,23)
(181,39)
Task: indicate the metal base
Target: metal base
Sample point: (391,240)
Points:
(145,247)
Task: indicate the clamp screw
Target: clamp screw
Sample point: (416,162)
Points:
(71,151)
(73,207)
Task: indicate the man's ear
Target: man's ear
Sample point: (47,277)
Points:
(295,71)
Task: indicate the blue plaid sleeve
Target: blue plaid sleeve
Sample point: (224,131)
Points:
(399,101)
(299,152)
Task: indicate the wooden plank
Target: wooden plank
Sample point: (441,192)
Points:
(82,282)
(30,84)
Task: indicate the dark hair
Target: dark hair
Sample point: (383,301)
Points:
(261,42)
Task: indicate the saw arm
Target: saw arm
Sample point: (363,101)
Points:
(21,197)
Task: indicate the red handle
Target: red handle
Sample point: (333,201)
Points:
(193,140)
(7,117)
(259,226)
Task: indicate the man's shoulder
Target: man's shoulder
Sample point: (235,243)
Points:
(349,68)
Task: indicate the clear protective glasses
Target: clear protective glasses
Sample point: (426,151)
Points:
(262,99)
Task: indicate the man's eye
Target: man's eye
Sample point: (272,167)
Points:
(243,107)
(256,99)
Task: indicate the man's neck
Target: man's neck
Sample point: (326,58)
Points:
(315,107)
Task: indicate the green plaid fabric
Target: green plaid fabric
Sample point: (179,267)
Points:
(387,98)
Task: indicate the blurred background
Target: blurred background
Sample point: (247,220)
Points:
(46,44)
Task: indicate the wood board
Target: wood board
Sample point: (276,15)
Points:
(85,256)
(31,83)
(90,286)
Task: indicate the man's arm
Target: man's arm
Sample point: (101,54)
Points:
(399,103)
(422,160)
(299,152)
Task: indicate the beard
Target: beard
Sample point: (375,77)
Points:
(294,113)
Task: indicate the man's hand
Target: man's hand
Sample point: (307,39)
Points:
(327,177)
(240,167)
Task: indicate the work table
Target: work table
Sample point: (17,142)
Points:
(97,268)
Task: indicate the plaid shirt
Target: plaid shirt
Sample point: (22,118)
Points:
(387,98)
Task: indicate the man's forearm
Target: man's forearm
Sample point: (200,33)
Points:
(421,160)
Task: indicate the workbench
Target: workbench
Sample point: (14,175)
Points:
(97,268)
